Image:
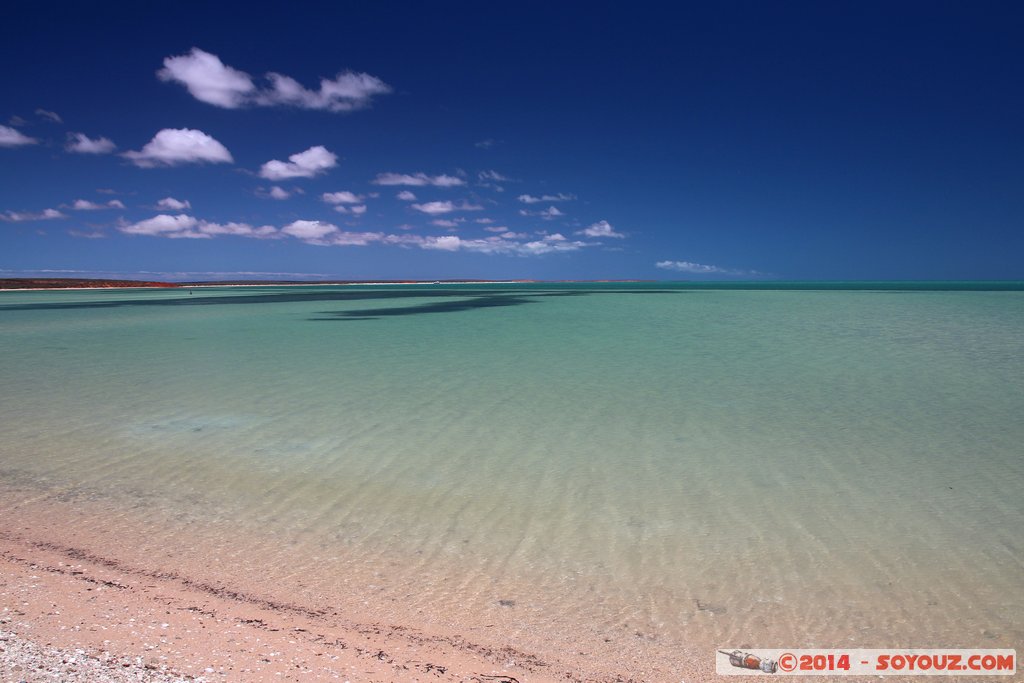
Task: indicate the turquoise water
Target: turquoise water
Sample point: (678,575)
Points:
(812,464)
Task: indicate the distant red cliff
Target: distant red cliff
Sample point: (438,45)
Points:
(74,283)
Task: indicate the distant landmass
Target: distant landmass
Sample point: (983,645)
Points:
(81,283)
(76,283)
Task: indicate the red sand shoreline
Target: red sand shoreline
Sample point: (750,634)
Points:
(70,580)
(65,597)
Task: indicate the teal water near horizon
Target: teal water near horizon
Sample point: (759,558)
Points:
(783,463)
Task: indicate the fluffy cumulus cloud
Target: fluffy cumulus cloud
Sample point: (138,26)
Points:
(86,205)
(162,225)
(24,216)
(209,80)
(497,245)
(12,137)
(560,197)
(80,143)
(417,180)
(309,231)
(548,214)
(325,234)
(312,162)
(320,233)
(406,196)
(355,239)
(342,197)
(172,204)
(175,146)
(351,209)
(437,208)
(184,226)
(700,268)
(278,193)
(601,229)
(348,91)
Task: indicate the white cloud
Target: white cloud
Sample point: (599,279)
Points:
(11,137)
(417,180)
(173,146)
(86,205)
(238,230)
(23,216)
(353,209)
(699,268)
(343,197)
(326,235)
(406,196)
(601,229)
(162,225)
(444,243)
(547,214)
(354,239)
(514,235)
(172,204)
(445,223)
(49,115)
(278,193)
(488,245)
(560,197)
(496,228)
(312,162)
(81,143)
(183,226)
(309,231)
(493,175)
(484,221)
(553,243)
(497,245)
(485,144)
(347,92)
(210,80)
(436,208)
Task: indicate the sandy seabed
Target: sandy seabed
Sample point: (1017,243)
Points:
(81,600)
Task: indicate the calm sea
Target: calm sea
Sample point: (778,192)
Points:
(765,465)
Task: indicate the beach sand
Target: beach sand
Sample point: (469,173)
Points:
(77,605)
(137,625)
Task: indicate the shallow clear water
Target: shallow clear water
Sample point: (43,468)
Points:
(811,465)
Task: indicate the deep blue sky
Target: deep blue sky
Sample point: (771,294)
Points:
(818,140)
